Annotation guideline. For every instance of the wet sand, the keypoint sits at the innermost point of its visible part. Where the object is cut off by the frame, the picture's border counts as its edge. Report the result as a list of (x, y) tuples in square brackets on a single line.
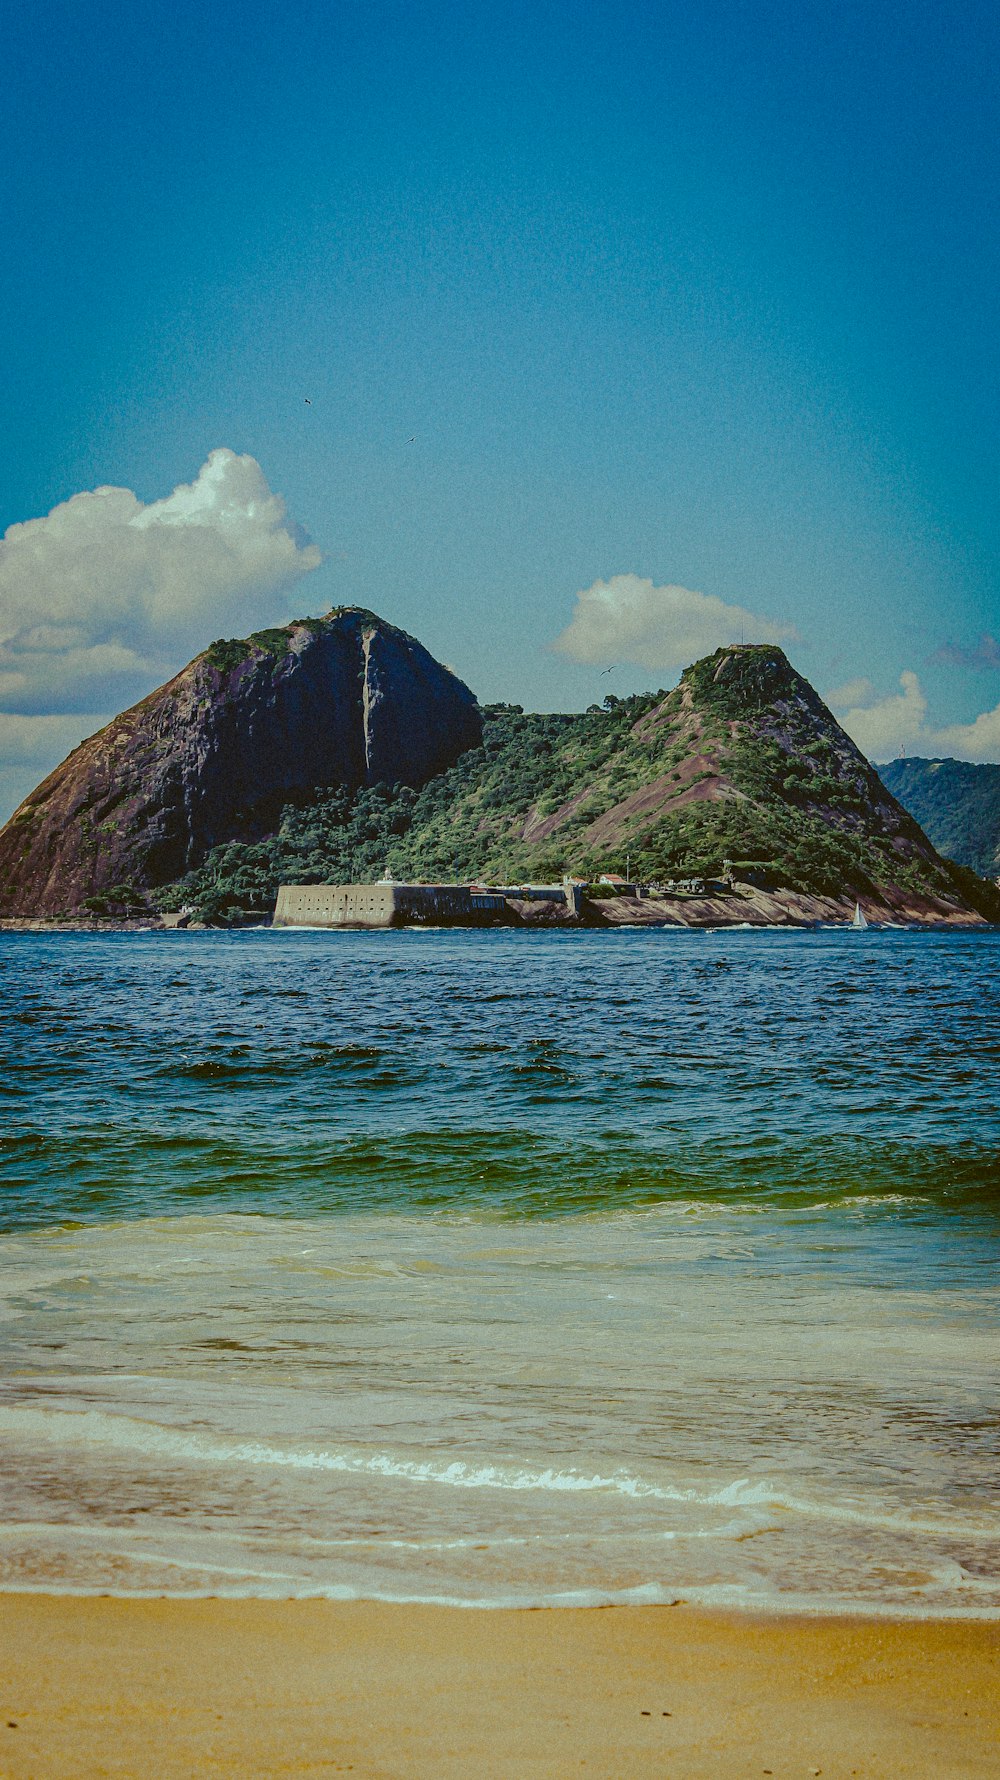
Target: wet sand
[(165, 1688)]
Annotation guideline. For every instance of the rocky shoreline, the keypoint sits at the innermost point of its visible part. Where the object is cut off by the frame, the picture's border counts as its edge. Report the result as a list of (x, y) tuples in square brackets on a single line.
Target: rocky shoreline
[(748, 907)]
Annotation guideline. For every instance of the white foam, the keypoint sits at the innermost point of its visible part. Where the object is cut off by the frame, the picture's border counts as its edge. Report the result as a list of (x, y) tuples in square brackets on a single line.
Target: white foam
[(96, 1427), (733, 1597)]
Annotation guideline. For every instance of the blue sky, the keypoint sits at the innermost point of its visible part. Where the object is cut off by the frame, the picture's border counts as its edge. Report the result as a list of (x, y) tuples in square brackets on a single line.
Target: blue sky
[(702, 298)]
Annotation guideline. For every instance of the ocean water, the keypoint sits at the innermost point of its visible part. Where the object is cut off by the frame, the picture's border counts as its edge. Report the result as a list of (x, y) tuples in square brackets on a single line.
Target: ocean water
[(503, 1267)]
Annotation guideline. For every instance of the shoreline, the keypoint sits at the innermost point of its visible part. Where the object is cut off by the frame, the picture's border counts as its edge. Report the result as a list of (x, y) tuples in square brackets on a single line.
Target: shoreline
[(621, 913), (105, 1685), (747, 906), (799, 1610)]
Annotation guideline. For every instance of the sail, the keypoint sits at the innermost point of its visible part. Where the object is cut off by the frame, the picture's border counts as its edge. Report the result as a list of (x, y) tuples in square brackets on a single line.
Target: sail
[(859, 919)]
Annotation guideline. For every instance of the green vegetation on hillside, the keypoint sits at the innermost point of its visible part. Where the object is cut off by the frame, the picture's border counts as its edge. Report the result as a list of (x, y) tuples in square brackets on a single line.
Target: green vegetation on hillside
[(226, 653), (957, 803), (336, 837)]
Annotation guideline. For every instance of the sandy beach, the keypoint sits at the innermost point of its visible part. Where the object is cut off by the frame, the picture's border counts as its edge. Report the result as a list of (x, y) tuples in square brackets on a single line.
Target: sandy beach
[(95, 1687)]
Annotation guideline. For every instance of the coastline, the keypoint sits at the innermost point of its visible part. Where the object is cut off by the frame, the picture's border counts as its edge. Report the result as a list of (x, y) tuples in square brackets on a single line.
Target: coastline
[(752, 908), (105, 1685)]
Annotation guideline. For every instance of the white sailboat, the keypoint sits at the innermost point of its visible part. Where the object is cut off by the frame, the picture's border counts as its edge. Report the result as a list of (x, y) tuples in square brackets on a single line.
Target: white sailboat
[(859, 919)]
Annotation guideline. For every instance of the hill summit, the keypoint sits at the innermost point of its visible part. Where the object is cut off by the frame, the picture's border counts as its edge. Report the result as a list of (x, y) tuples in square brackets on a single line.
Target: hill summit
[(337, 749)]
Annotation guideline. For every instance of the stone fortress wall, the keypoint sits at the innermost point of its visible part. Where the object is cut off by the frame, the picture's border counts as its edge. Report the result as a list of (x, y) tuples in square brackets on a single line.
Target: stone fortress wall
[(389, 905)]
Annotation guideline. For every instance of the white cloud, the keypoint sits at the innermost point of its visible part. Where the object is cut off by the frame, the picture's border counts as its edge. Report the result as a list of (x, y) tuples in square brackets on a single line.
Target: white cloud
[(31, 741), (105, 595), (883, 727), (979, 740), (628, 619), (31, 746), (853, 692)]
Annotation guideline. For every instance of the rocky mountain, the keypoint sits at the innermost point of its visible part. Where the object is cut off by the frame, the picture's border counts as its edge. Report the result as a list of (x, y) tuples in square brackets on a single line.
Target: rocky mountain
[(957, 803), (740, 763), (337, 748), (217, 753)]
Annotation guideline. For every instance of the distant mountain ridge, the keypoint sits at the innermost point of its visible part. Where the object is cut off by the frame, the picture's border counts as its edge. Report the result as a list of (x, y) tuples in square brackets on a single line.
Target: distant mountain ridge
[(334, 749), (957, 803)]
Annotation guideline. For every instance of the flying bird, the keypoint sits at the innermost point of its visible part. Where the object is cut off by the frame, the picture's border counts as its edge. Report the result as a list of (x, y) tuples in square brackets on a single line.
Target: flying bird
[(307, 401), (609, 670), (413, 440)]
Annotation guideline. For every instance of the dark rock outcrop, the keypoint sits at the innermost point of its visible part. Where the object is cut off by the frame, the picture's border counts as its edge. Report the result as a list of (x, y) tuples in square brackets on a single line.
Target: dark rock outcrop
[(215, 754)]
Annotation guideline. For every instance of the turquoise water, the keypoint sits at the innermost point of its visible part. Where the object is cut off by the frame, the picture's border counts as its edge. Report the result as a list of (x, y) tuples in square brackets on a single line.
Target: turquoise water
[(500, 1267)]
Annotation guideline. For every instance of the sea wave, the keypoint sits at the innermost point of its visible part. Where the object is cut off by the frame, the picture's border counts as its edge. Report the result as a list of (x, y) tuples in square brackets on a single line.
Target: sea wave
[(67, 1428)]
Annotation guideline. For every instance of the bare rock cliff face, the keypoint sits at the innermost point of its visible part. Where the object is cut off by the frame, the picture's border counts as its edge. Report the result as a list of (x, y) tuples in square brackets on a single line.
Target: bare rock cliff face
[(213, 755)]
